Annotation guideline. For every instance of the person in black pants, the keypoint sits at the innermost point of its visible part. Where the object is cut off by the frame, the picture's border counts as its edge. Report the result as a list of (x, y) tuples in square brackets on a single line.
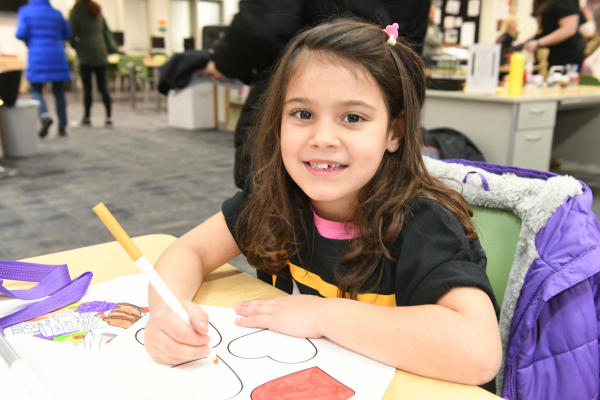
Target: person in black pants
[(91, 41), (86, 79), (262, 28)]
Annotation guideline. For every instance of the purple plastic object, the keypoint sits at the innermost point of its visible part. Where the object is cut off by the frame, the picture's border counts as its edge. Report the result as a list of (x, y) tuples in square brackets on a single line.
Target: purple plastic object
[(54, 282), (486, 185), (502, 169)]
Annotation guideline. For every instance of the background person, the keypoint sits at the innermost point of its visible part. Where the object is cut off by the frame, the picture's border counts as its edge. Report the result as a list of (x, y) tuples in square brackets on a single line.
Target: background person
[(44, 30), (262, 28), (508, 38), (558, 22), (432, 44), (91, 38)]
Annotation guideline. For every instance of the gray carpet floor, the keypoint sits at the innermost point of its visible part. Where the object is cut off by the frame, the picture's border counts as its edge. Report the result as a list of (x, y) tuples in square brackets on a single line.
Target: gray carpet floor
[(153, 178)]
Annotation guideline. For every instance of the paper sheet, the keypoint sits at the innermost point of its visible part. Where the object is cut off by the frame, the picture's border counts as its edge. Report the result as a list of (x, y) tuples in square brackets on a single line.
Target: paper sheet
[(253, 363), (250, 359), (451, 36), (449, 22), (473, 8), (453, 7), (71, 374), (105, 312), (483, 66), (502, 9), (467, 34), (437, 16)]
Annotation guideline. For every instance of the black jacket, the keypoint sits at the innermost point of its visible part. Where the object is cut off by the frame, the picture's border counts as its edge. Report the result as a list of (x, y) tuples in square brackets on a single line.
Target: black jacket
[(177, 72), (262, 28)]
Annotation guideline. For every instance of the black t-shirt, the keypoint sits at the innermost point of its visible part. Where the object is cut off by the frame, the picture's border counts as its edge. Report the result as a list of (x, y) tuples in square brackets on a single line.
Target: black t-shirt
[(548, 23), (432, 255)]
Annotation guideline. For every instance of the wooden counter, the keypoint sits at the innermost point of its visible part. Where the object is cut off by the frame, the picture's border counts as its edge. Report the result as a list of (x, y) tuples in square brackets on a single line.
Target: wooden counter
[(224, 287)]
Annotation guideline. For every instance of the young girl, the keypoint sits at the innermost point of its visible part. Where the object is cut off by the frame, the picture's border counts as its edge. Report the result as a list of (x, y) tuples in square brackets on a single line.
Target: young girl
[(341, 211)]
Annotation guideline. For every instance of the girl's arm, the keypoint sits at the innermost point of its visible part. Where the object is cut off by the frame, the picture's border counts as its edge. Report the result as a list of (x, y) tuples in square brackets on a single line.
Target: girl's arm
[(567, 27), (183, 266), (456, 339)]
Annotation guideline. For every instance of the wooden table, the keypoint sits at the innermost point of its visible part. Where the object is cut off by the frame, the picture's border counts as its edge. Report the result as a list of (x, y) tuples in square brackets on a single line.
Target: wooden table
[(11, 63), (155, 64), (224, 287)]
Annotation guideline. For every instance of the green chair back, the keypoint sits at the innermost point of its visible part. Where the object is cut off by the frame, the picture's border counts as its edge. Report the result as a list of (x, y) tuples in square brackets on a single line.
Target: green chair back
[(123, 65), (141, 70), (499, 234), (588, 80)]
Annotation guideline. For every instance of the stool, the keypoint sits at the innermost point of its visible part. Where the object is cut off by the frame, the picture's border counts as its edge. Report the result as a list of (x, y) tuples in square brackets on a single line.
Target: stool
[(193, 107), (18, 128)]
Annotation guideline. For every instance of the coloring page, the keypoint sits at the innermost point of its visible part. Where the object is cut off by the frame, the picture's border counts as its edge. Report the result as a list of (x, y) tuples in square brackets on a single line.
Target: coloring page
[(263, 365), (102, 314), (253, 363)]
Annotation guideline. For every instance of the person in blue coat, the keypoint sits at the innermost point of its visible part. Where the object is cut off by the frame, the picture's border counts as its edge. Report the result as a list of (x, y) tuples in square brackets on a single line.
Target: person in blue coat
[(44, 30)]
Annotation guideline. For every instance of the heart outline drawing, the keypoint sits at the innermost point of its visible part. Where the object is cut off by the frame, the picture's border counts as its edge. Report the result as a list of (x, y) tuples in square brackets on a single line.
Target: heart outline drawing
[(139, 336), (215, 390), (292, 350)]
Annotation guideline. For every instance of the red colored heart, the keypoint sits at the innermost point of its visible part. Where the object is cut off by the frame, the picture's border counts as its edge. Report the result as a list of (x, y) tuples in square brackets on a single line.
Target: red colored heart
[(312, 383)]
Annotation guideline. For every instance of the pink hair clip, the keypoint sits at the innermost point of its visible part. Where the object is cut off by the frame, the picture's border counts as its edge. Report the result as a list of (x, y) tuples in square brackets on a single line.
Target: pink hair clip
[(392, 30)]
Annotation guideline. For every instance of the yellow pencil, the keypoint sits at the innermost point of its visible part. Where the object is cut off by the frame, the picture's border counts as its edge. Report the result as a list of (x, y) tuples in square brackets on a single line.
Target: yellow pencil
[(144, 265)]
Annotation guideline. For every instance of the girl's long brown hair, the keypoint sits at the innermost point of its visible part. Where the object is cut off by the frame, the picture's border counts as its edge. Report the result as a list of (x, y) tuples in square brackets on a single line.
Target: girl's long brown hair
[(93, 8), (277, 219)]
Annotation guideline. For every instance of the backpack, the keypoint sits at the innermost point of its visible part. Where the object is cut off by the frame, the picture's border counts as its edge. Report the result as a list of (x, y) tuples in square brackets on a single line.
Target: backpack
[(451, 144)]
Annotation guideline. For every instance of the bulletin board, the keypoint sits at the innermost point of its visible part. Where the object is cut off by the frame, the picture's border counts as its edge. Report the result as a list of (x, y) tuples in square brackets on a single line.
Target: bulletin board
[(459, 20)]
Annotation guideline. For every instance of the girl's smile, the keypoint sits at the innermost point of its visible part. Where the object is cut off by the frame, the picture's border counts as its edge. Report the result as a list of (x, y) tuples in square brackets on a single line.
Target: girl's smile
[(334, 133), (324, 167)]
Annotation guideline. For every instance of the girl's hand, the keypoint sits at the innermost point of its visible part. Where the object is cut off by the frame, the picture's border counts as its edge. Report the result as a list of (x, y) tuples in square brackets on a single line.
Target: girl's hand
[(169, 340), (295, 315)]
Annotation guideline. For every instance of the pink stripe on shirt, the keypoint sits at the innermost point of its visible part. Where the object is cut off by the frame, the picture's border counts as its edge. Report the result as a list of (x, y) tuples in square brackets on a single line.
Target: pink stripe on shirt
[(336, 230)]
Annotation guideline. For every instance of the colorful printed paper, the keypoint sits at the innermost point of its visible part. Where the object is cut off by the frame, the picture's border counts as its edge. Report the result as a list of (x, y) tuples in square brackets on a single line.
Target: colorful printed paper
[(104, 312), (253, 364)]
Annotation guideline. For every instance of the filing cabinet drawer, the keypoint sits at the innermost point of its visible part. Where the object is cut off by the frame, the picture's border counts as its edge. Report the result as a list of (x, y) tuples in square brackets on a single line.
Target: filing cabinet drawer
[(533, 149), (536, 115)]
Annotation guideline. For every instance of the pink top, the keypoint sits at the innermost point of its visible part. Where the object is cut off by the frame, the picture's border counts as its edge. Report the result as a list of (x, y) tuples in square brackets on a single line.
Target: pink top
[(336, 230)]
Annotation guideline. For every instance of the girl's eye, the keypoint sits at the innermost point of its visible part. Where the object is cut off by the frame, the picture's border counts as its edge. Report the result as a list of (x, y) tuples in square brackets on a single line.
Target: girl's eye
[(302, 114), (352, 118)]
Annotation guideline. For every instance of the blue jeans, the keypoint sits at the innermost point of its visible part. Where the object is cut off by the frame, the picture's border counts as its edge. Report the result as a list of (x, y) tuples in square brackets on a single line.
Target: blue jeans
[(58, 89)]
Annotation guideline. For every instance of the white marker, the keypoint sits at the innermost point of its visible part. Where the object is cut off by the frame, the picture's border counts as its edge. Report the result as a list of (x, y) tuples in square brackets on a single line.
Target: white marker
[(19, 367), (144, 265)]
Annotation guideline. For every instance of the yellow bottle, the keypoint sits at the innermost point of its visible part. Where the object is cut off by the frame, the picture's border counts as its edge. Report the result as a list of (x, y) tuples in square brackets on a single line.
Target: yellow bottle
[(515, 74)]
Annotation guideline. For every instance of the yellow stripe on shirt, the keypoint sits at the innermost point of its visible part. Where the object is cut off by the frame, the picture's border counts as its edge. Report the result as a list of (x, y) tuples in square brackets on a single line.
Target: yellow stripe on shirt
[(328, 290)]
